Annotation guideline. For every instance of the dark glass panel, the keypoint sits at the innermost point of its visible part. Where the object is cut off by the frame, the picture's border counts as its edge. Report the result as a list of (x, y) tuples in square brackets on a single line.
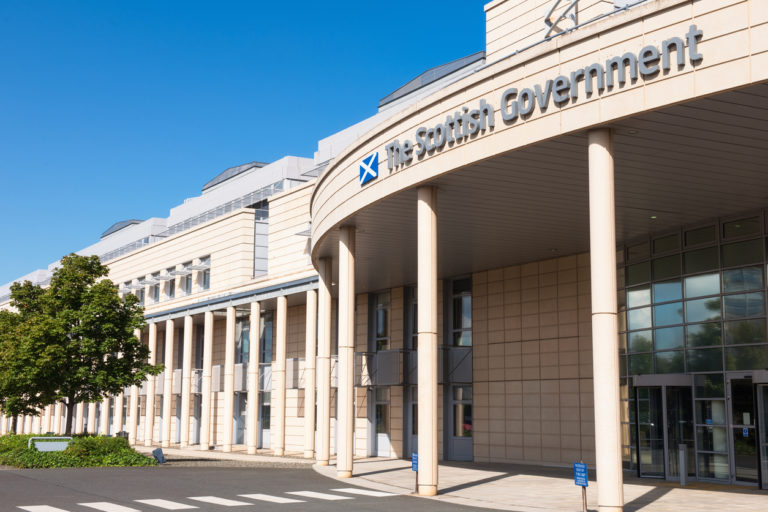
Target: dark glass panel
[(744, 332), (710, 386), (706, 359), (666, 244), (703, 335), (665, 268), (743, 253), (753, 357), (669, 362), (700, 260), (702, 310), (640, 364), (669, 338), (638, 252), (700, 236), (639, 273), (640, 341), (741, 227)]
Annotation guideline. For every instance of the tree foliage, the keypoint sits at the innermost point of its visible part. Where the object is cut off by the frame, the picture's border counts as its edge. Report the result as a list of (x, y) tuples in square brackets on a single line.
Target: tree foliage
[(73, 341)]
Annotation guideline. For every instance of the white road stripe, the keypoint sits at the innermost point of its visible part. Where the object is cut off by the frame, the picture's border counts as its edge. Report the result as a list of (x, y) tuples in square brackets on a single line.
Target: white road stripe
[(219, 501), (267, 497), (364, 492), (41, 508), (106, 506), (166, 504), (320, 495)]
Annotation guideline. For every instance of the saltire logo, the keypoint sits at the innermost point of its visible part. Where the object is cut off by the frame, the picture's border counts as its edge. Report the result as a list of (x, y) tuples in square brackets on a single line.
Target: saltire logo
[(369, 168)]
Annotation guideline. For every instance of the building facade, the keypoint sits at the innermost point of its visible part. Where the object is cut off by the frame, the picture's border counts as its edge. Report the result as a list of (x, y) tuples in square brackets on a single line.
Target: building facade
[(550, 252)]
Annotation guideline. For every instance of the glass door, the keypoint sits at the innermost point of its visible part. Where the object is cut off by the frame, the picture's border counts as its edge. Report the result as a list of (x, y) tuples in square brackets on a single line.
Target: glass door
[(762, 420), (743, 432), (650, 432)]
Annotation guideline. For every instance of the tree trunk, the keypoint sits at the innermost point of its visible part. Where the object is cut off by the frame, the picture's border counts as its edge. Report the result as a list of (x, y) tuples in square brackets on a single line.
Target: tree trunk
[(70, 404)]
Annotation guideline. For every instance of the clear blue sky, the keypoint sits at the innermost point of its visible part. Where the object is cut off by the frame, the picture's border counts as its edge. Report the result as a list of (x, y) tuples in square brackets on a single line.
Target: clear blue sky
[(114, 110)]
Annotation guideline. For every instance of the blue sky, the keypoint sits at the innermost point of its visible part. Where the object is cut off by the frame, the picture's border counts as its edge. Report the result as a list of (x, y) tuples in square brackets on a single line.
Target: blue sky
[(114, 110)]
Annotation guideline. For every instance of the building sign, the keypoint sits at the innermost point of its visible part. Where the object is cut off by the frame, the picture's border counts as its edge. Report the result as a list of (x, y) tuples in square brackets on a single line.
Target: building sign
[(369, 168), (515, 104)]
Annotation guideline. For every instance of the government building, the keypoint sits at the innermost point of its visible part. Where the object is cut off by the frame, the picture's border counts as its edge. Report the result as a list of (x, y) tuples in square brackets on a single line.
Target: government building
[(549, 251)]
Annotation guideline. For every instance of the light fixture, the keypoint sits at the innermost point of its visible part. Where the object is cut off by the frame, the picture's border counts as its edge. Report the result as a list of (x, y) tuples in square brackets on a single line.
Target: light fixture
[(653, 217)]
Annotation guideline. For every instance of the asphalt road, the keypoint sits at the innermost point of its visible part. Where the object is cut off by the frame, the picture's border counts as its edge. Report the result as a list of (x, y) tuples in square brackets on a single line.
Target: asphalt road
[(216, 489)]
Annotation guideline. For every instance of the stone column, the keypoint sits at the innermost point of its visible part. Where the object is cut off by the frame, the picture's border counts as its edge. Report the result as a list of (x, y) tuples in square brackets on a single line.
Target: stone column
[(3, 424), (104, 419), (133, 406), (117, 420), (346, 391), (149, 419), (186, 379), (91, 418), (324, 271), (254, 339), (168, 384), (229, 380), (605, 345), (205, 412), (56, 418), (427, 331), (310, 337), (46, 420), (277, 428), (77, 428)]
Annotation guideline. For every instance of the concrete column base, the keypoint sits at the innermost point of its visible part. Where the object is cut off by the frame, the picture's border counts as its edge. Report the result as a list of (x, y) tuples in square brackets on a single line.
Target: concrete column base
[(609, 508), (183, 445), (309, 454), (279, 452), (251, 450), (322, 463), (344, 474), (427, 490), (165, 444), (147, 443)]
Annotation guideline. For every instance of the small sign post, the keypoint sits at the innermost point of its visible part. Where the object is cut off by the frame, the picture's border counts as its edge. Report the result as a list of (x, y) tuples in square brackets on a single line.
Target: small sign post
[(581, 479), (415, 469)]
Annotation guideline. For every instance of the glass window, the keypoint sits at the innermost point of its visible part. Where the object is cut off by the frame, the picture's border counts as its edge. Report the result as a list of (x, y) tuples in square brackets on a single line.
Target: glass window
[(462, 393), (701, 260), (710, 412), (709, 386), (462, 420), (640, 364), (381, 320), (743, 253), (267, 324), (668, 314), (382, 418), (743, 305), (703, 335), (462, 313), (702, 310), (713, 465), (171, 288), (704, 359), (639, 318), (664, 268), (205, 279), (743, 332), (741, 227), (753, 357), (666, 244), (712, 439), (742, 279), (669, 338), (705, 284), (667, 291), (669, 362), (640, 296), (638, 252), (640, 341), (700, 236), (639, 273)]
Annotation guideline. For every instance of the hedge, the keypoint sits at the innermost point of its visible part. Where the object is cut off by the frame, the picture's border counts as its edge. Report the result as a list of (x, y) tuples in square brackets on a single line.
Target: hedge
[(83, 451)]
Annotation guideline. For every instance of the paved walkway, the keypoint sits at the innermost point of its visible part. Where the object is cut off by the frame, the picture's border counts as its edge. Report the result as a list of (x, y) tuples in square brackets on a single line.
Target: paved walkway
[(513, 487)]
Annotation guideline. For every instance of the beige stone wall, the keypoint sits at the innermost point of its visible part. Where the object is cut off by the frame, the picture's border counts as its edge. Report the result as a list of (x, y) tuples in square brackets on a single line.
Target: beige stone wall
[(532, 363), (288, 215)]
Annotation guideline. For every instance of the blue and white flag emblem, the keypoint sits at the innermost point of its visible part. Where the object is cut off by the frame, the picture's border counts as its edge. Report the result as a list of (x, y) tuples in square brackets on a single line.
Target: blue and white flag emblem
[(369, 168)]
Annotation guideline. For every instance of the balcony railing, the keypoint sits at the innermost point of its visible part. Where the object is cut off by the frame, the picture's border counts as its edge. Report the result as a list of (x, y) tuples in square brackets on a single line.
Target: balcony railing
[(382, 368), (197, 381), (265, 377)]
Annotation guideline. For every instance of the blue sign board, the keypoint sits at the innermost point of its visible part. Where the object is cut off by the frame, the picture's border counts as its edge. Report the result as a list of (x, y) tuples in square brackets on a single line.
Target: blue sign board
[(580, 474), (369, 168), (415, 461), (745, 432)]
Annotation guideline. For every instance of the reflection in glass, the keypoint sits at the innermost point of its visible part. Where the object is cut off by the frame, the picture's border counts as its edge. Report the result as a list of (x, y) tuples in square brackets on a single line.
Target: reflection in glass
[(700, 260), (753, 357), (640, 296), (639, 273), (640, 341), (712, 439), (710, 386), (701, 310), (703, 335), (666, 244), (701, 285), (640, 364), (462, 420), (713, 466), (639, 318), (703, 360), (669, 362), (745, 454), (743, 253), (743, 305), (668, 314), (669, 338), (667, 291), (710, 412), (741, 332), (742, 279), (664, 268)]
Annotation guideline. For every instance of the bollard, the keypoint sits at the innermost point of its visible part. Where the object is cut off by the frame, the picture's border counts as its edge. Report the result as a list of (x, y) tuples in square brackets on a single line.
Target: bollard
[(681, 457)]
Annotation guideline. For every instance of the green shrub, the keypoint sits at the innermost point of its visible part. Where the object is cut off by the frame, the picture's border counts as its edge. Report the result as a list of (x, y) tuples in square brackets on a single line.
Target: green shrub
[(83, 451)]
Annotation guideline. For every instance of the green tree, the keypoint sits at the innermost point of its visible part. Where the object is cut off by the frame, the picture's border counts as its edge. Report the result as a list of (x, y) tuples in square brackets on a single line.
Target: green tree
[(81, 343)]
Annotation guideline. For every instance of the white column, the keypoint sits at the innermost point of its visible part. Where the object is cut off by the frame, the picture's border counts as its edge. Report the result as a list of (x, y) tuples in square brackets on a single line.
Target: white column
[(149, 419), (46, 419), (57, 418), (205, 412), (3, 424), (27, 424), (310, 337), (346, 392), (91, 418), (427, 331), (117, 419), (168, 384), (133, 406), (186, 379), (104, 419), (277, 428), (324, 271), (36, 420), (605, 347), (229, 381), (77, 427), (254, 338)]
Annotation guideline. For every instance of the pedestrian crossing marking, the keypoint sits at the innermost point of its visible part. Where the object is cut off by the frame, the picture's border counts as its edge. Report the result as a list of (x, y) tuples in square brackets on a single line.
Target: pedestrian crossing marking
[(320, 495), (166, 504), (272, 499), (41, 508), (106, 506), (224, 502), (364, 492)]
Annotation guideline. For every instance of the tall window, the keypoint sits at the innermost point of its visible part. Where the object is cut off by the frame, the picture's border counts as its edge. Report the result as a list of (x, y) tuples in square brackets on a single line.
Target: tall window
[(381, 305), (266, 337), (140, 295), (462, 312), (185, 283), (171, 286), (242, 340), (154, 290)]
